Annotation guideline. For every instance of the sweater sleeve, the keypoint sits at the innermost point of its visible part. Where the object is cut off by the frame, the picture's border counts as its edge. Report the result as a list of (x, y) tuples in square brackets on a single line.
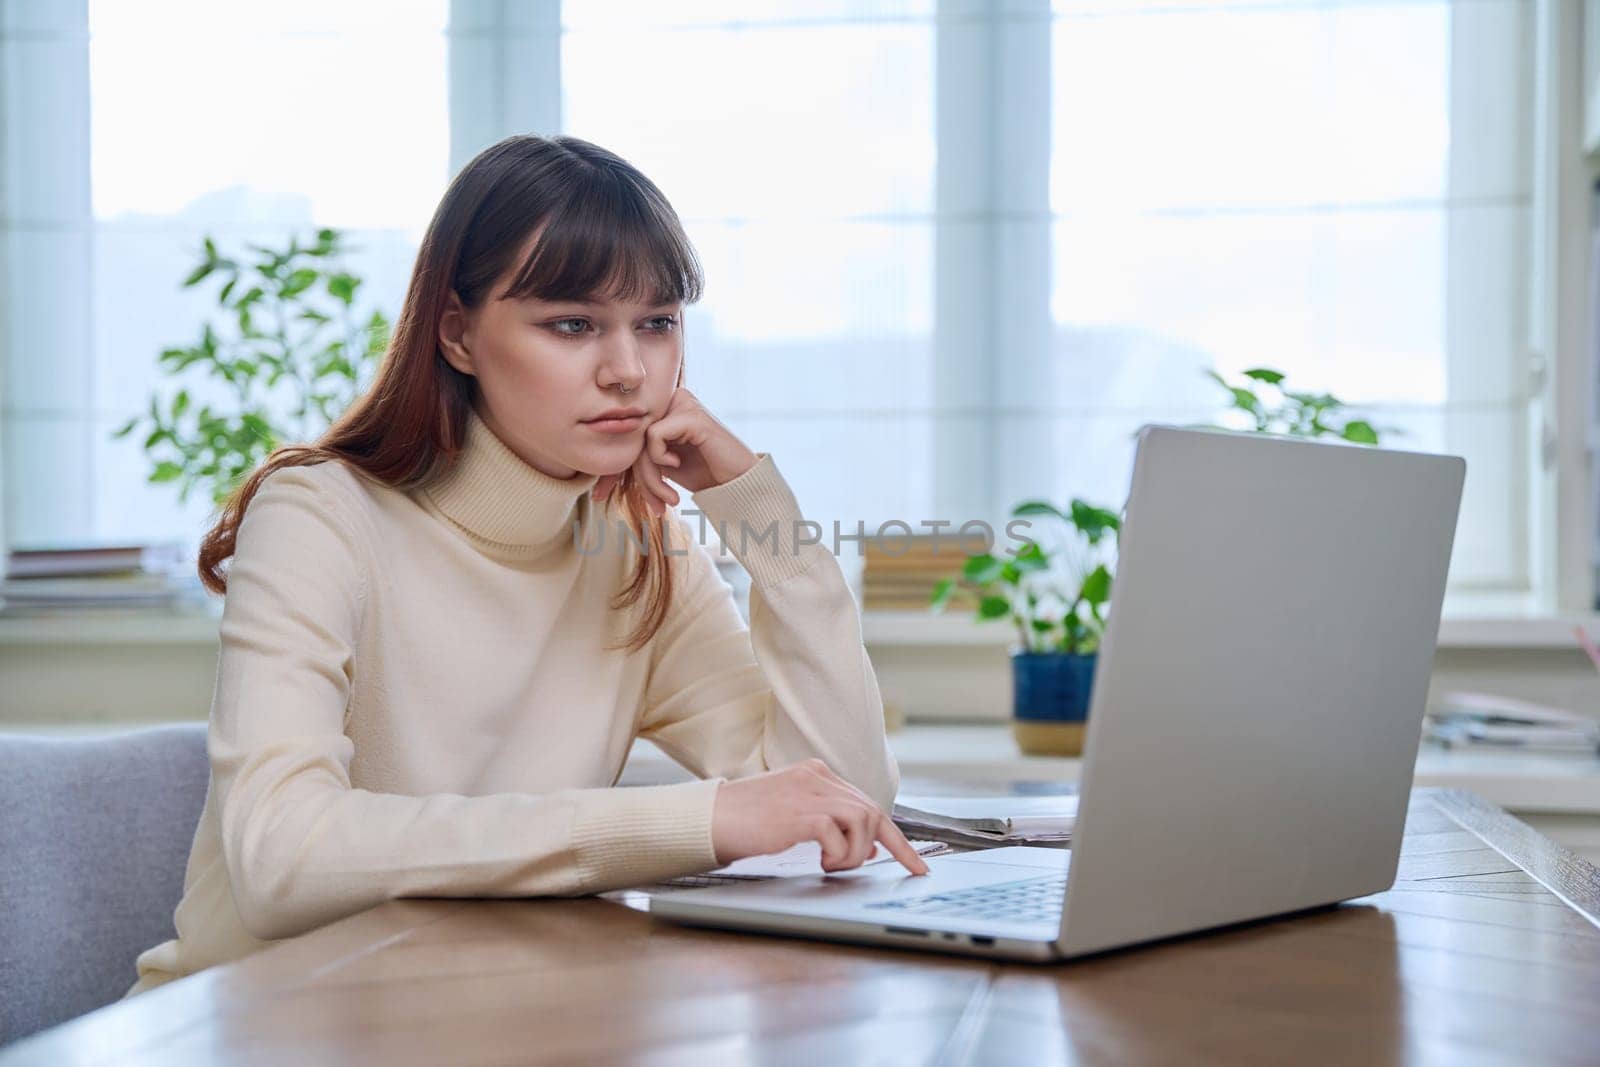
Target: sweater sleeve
[(302, 845), (728, 699)]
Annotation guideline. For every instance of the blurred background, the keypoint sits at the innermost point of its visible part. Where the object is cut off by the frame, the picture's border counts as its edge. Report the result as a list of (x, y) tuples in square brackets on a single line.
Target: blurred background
[(956, 251)]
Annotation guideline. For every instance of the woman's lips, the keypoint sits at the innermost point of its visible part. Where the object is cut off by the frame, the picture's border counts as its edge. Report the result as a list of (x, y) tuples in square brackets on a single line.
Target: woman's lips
[(627, 425)]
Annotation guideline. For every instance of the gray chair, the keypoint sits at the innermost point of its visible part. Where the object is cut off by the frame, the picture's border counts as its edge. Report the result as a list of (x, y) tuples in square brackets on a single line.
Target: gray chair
[(94, 839)]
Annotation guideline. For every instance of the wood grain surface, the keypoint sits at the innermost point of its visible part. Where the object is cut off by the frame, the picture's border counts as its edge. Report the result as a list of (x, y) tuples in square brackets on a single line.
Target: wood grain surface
[(1486, 950)]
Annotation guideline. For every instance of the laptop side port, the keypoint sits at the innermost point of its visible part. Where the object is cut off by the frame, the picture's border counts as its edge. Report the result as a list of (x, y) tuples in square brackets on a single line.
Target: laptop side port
[(978, 939), (906, 930)]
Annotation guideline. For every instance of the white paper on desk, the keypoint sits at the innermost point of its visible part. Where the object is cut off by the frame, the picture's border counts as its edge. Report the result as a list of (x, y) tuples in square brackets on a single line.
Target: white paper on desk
[(804, 858), (1016, 816)]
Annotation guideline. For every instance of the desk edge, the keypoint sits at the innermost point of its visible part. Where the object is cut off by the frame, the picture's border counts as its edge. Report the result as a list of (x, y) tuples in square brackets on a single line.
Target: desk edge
[(1569, 876)]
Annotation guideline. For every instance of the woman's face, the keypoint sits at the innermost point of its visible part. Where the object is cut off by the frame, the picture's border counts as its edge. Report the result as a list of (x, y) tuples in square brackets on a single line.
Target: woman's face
[(545, 370)]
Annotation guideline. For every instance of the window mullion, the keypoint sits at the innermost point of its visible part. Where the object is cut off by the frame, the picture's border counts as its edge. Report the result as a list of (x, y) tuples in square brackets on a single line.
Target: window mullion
[(991, 326), (505, 73)]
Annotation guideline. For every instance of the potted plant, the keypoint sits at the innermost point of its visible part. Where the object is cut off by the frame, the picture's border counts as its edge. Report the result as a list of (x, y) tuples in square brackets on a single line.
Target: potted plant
[(296, 354), (1056, 598)]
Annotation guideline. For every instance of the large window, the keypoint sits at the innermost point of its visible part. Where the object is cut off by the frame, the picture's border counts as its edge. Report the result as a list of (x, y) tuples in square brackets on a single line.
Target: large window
[(960, 252), (799, 148), (956, 252), (1340, 191), (187, 119)]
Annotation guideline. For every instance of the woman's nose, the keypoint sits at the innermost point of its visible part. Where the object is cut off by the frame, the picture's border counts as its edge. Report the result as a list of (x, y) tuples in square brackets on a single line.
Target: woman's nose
[(624, 367)]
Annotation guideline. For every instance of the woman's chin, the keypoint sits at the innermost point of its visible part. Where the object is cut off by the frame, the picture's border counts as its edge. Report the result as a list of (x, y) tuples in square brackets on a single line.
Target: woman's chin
[(603, 461)]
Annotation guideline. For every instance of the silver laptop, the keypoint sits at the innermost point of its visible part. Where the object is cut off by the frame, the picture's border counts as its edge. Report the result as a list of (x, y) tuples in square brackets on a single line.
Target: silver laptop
[(1254, 726)]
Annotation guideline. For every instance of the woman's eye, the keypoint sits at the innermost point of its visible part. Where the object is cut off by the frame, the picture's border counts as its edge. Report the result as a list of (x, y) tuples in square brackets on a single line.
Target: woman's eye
[(659, 324)]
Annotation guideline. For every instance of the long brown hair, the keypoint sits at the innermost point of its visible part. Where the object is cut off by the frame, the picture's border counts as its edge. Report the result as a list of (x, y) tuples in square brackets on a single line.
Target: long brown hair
[(606, 227)]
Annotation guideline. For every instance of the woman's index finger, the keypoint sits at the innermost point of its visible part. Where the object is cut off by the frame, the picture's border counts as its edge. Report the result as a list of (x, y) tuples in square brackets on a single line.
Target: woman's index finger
[(895, 841)]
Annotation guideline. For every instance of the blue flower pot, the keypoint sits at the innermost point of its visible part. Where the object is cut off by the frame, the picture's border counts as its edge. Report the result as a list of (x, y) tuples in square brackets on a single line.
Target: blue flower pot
[(1050, 701)]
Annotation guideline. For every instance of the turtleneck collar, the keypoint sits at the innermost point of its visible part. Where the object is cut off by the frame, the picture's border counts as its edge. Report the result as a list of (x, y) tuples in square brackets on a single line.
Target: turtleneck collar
[(506, 505)]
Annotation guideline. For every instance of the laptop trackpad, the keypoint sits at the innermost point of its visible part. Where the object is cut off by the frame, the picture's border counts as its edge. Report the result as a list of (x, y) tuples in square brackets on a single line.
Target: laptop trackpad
[(886, 880)]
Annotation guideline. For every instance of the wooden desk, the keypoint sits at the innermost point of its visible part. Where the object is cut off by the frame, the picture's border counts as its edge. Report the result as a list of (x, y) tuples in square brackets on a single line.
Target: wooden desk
[(1468, 959)]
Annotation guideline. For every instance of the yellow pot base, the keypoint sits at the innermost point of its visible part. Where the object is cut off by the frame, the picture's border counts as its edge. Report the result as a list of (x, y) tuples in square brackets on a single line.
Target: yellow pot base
[(1038, 738)]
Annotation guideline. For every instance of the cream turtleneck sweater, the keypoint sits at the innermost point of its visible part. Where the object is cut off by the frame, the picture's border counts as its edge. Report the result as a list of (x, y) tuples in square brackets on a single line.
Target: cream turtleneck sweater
[(413, 699)]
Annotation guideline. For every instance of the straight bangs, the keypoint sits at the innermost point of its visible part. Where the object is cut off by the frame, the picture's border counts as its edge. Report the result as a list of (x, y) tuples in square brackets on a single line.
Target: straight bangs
[(611, 239)]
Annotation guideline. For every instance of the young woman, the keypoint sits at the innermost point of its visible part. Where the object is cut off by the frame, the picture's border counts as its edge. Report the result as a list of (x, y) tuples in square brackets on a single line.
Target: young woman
[(432, 663)]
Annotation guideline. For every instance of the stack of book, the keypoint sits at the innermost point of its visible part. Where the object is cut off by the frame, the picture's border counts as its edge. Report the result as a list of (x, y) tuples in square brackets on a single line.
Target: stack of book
[(70, 578), (897, 576), (1475, 720)]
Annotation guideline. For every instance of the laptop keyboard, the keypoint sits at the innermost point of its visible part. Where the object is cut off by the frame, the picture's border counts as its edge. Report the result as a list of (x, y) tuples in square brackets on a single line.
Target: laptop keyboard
[(1025, 901)]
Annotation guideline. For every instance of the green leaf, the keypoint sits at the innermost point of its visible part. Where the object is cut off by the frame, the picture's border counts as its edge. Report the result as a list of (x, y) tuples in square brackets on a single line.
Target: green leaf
[(1321, 402), (342, 287), (1093, 522), (126, 428), (257, 425), (166, 471), (1031, 557), (197, 275), (941, 594), (1097, 586), (993, 607), (1361, 432), (1245, 400), (1009, 573), (1037, 507), (981, 569), (1265, 374), (1043, 626), (180, 403), (299, 282)]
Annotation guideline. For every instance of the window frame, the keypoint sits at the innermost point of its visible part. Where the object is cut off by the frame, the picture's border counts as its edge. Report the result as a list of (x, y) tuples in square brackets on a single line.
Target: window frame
[(993, 222)]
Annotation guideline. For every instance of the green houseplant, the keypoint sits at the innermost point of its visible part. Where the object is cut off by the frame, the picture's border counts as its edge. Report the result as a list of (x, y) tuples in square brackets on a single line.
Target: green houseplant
[(1059, 613), (1269, 407), (294, 351), (1056, 598)]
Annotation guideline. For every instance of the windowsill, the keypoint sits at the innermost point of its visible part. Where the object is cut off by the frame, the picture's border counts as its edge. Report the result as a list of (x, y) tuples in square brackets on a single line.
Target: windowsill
[(194, 625), (915, 628), (1461, 628), (985, 753)]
